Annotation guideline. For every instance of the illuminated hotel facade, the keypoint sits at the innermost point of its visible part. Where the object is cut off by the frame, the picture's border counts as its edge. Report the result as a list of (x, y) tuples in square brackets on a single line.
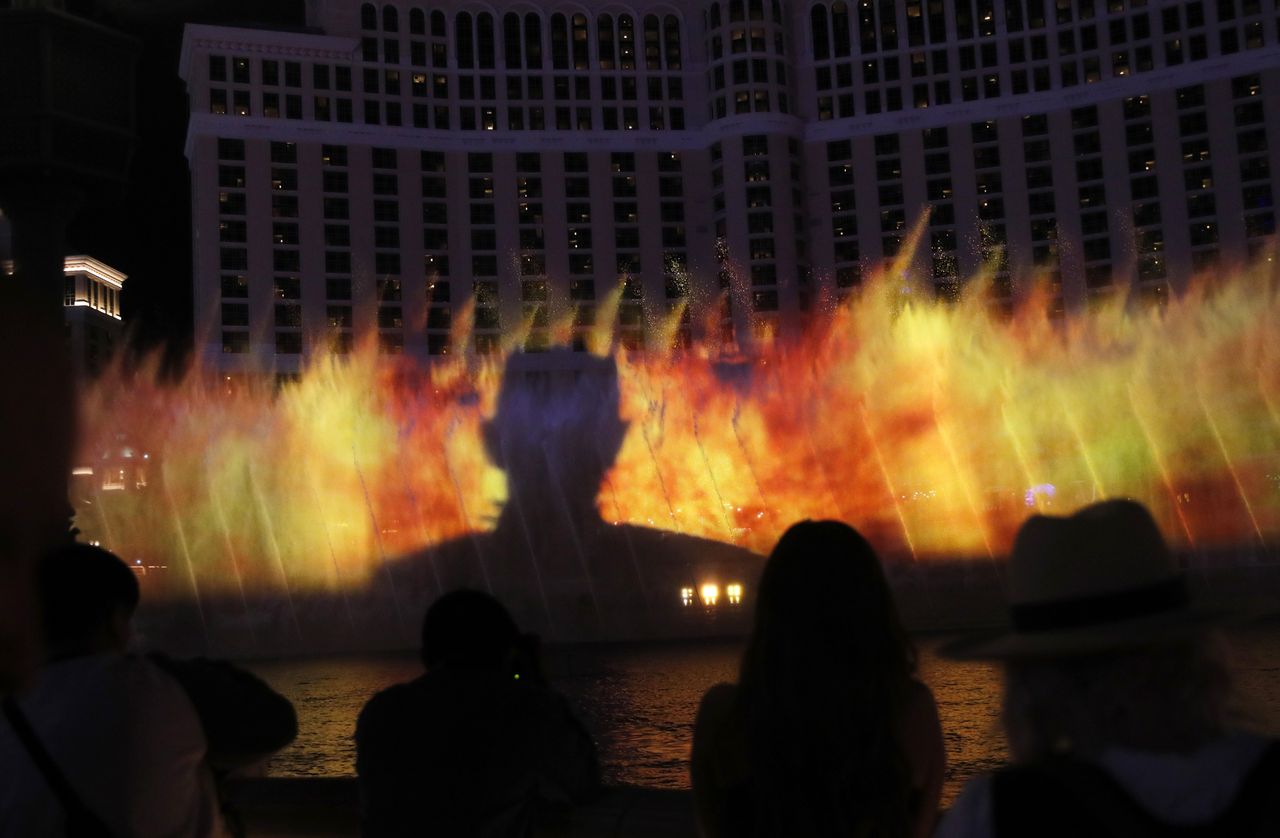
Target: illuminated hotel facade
[(746, 160), (91, 306), (91, 309)]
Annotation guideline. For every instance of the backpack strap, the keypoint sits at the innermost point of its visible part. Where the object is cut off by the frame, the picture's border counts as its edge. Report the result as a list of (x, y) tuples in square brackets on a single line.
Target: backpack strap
[(82, 822)]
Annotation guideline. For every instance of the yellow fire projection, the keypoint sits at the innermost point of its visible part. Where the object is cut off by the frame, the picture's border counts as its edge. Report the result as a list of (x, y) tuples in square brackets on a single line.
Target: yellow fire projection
[(933, 427)]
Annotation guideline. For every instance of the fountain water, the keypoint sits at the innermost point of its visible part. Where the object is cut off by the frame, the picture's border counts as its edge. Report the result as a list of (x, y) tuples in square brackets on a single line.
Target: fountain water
[(924, 423)]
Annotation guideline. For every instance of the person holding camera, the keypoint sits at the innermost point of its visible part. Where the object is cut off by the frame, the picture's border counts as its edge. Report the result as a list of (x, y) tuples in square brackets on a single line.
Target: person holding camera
[(479, 744)]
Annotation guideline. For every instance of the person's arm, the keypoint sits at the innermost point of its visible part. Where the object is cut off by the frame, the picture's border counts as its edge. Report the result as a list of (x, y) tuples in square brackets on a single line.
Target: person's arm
[(157, 775), (970, 816), (571, 766), (376, 774), (922, 739), (244, 720), (707, 793)]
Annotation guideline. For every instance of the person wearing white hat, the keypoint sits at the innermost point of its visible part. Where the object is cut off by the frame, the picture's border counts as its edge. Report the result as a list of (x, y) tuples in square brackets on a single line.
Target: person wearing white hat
[(1116, 691)]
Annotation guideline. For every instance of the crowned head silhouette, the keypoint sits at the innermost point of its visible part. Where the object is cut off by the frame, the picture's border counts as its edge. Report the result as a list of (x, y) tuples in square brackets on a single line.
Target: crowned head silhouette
[(561, 568)]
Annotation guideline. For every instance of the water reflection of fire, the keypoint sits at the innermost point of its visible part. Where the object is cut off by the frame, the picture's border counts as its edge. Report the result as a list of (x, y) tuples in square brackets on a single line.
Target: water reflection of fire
[(932, 427)]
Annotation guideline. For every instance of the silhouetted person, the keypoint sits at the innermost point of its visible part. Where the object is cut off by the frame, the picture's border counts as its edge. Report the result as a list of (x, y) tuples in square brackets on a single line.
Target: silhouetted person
[(828, 732), (110, 743), (1116, 694), (561, 568), (478, 745)]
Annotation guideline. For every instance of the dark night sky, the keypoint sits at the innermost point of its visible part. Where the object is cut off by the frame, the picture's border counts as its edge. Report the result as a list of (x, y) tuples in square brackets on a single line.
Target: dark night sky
[(147, 232)]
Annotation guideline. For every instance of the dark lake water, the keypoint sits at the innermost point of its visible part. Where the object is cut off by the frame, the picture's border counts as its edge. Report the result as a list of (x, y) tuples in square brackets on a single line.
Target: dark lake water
[(640, 701)]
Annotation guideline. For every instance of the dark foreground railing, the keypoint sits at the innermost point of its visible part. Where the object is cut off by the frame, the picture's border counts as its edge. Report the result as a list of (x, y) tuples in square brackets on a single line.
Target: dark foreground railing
[(329, 806)]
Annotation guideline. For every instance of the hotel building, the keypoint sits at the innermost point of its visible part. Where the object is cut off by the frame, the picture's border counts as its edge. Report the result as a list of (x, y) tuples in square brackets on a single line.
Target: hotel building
[(91, 306), (746, 161)]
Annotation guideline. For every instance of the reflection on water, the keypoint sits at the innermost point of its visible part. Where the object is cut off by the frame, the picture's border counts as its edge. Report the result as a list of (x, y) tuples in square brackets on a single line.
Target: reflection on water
[(640, 702)]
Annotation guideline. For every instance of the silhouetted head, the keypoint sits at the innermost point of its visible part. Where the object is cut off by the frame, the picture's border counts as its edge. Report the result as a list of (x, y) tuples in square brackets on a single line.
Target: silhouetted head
[(824, 593), (556, 410), (1107, 647), (825, 675), (88, 597), (467, 629)]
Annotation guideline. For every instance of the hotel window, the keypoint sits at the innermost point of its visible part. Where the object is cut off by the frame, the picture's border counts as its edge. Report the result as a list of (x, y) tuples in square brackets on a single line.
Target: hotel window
[(235, 286), (231, 203), (337, 262), (337, 288), (338, 317), (235, 343), (533, 41), (1255, 167), (336, 208), (337, 235), (464, 45), (288, 315), (234, 259), (235, 314), (284, 206)]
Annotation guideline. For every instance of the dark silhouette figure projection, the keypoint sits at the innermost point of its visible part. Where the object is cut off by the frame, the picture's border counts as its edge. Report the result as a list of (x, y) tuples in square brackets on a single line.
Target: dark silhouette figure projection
[(562, 569), (828, 732), (478, 745)]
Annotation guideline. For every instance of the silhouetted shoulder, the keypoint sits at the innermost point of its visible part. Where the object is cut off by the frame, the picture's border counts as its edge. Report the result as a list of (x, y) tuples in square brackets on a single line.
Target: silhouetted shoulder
[(449, 565), (717, 702), (390, 706), (243, 719), (719, 765), (387, 701), (921, 738), (663, 555), (717, 726), (970, 815), (679, 545)]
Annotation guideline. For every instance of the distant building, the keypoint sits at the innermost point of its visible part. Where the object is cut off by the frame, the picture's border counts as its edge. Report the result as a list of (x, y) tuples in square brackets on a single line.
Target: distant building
[(91, 298), (373, 173)]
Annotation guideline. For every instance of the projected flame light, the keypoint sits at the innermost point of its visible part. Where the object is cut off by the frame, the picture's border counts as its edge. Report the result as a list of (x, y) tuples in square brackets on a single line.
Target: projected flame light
[(932, 427)]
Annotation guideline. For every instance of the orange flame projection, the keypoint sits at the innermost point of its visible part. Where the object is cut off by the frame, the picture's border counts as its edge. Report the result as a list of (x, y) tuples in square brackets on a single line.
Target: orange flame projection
[(933, 427)]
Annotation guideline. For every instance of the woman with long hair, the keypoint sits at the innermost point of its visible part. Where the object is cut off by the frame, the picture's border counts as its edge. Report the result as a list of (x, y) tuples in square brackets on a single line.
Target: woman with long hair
[(828, 732)]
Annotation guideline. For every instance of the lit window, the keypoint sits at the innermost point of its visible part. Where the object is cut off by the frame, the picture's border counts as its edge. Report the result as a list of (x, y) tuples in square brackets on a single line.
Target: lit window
[(686, 596), (710, 594), (734, 593)]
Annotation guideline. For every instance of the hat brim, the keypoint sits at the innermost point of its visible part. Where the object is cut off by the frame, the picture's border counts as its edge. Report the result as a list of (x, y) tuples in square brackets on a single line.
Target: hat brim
[(1085, 640)]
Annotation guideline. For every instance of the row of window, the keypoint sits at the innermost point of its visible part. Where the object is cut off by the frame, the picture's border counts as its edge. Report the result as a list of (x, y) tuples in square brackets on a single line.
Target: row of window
[(947, 87), (624, 42), (1091, 193), (868, 27)]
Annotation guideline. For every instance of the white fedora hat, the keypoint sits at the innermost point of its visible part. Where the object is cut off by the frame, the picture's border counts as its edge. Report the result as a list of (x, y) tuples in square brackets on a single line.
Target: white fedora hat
[(1102, 579)]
